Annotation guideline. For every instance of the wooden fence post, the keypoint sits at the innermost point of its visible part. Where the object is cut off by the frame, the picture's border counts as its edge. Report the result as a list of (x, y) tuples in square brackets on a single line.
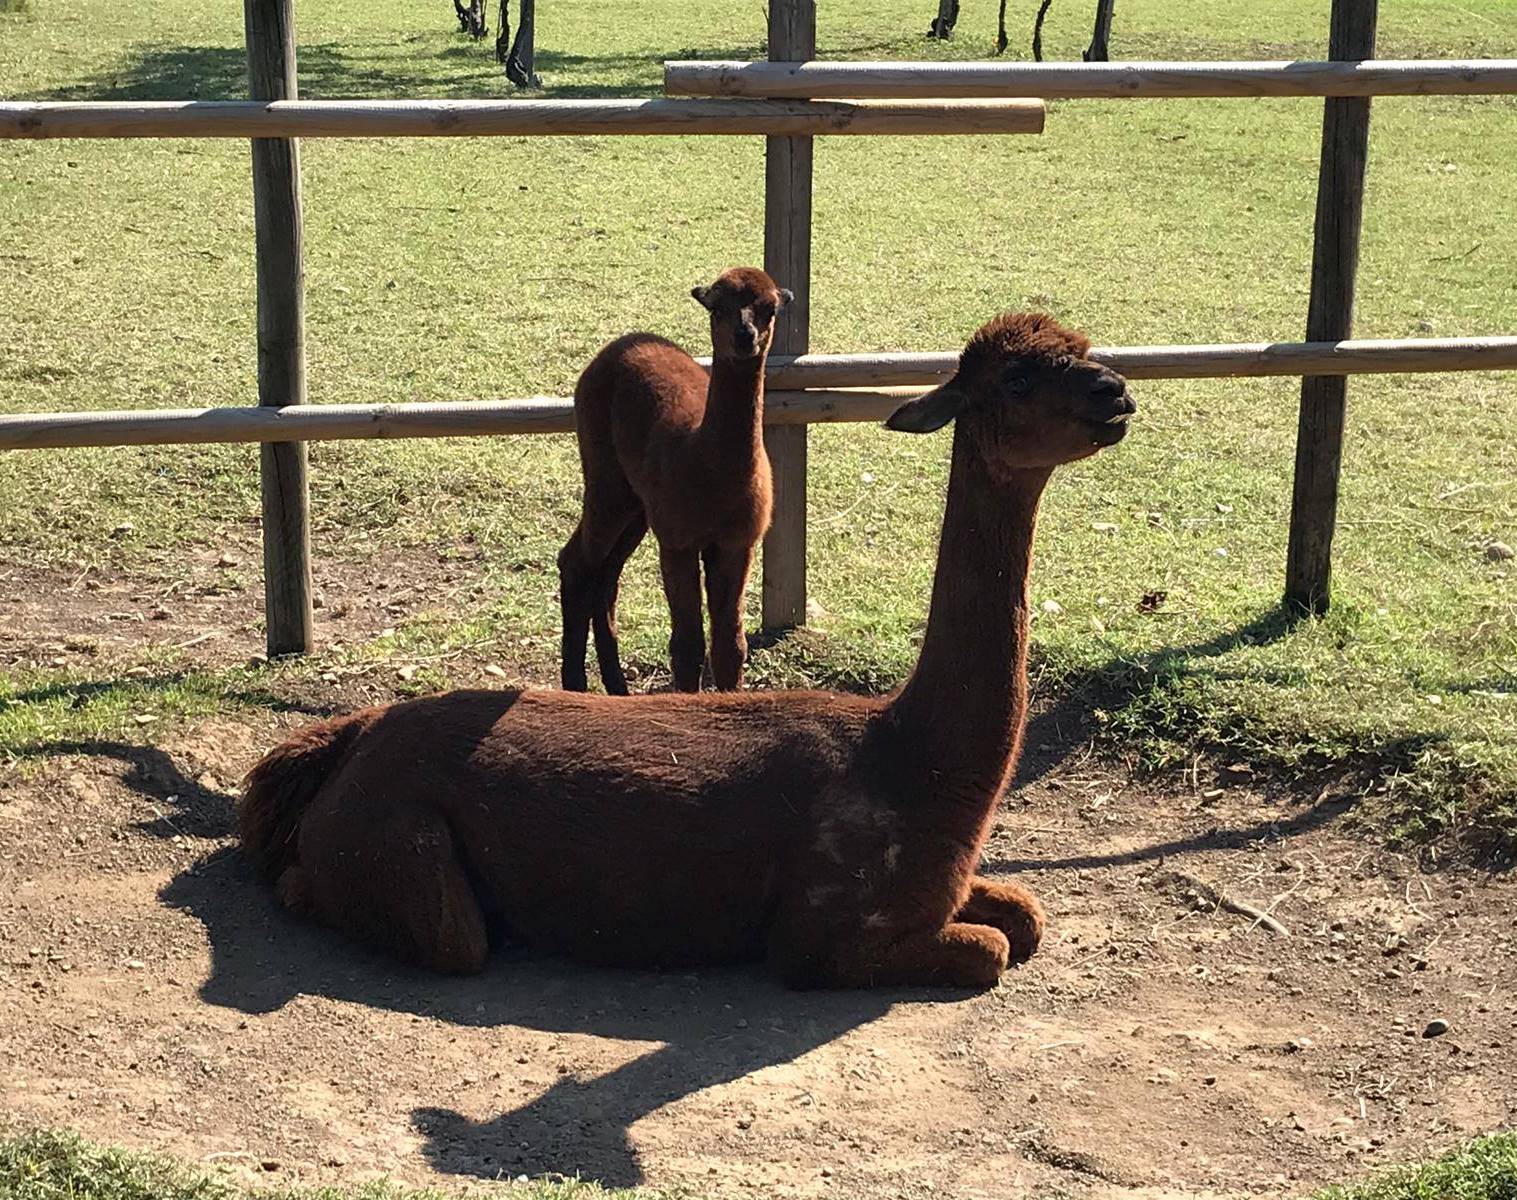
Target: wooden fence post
[(787, 257), (270, 28), (1330, 317)]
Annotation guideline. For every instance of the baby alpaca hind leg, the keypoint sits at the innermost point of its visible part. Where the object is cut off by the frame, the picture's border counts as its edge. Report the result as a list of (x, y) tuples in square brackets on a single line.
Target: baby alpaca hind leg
[(576, 580), (726, 579), (581, 567), (393, 879), (603, 612)]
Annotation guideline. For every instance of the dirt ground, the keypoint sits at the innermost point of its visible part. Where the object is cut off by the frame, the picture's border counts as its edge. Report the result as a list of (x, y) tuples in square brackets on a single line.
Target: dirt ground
[(1160, 1044)]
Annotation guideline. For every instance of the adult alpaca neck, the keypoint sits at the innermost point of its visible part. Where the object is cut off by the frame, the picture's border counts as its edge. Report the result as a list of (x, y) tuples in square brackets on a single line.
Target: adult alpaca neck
[(733, 423), (964, 706)]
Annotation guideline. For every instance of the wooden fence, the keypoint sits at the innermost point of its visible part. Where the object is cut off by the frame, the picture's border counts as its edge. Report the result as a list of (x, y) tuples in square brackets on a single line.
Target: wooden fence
[(789, 100)]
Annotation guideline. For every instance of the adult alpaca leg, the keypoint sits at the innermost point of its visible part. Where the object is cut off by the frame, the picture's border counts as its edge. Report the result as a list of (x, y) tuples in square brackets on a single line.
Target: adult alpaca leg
[(603, 610), (687, 639), (392, 878), (726, 578), (1009, 907), (958, 955)]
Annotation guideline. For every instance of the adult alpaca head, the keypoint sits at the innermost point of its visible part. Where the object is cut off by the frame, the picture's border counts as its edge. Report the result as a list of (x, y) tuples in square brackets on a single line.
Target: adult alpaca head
[(1029, 394)]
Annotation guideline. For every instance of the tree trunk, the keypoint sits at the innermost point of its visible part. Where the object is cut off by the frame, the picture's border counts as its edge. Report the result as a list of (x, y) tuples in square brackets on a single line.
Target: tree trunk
[(503, 35), (519, 61), (1100, 41)]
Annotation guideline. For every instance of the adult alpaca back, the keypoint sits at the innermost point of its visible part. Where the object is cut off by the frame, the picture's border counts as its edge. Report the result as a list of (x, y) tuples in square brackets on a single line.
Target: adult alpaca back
[(667, 447), (836, 836)]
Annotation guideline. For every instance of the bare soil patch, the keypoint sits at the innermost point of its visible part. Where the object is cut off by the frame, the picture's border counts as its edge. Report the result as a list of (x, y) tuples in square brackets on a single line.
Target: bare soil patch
[(204, 605), (151, 995)]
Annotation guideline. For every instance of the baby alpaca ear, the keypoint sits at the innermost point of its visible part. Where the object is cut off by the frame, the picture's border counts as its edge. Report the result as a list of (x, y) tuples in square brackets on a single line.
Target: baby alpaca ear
[(786, 297), (930, 411), (702, 295)]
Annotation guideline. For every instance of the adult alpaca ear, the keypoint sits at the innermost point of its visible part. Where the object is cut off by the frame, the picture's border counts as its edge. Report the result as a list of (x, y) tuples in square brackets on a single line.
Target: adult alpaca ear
[(930, 411), (702, 296)]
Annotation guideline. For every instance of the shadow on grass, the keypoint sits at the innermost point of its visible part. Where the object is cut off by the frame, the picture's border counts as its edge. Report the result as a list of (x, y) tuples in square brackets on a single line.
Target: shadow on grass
[(84, 692), (716, 1025), (1055, 731), (327, 71), (428, 66)]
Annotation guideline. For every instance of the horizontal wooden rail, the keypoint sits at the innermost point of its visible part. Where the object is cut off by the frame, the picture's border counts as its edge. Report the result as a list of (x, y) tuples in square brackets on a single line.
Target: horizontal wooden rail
[(1092, 81), (854, 387), (1211, 361), (509, 118), (335, 422)]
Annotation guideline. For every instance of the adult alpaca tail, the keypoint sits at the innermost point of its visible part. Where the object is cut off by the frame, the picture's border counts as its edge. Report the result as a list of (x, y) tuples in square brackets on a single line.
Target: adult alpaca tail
[(282, 785)]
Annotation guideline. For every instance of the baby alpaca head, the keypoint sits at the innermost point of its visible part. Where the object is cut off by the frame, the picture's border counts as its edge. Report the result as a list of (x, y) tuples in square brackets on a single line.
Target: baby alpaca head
[(743, 303), (1027, 394)]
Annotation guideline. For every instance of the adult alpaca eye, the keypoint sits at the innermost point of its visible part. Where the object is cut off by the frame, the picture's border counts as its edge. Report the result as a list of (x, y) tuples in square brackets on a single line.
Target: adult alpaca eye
[(1016, 384)]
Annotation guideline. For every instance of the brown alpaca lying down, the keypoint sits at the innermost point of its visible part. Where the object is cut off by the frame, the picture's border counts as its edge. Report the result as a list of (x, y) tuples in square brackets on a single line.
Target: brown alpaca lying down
[(834, 836)]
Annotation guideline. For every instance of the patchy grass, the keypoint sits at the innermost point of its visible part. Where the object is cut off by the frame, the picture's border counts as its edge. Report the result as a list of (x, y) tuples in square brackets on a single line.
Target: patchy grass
[(449, 269), (52, 1165), (59, 1166), (1483, 1169)]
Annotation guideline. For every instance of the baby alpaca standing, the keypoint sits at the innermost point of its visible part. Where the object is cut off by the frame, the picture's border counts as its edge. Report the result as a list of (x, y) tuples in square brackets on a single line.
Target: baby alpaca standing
[(666, 447)]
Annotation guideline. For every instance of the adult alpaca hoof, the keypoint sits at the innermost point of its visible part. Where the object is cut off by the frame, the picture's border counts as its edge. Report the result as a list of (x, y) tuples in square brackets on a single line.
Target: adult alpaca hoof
[(1010, 908), (293, 890)]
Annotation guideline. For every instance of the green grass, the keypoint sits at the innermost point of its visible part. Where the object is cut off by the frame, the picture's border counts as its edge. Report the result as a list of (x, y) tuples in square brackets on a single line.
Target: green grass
[(451, 269), (60, 1166), (1483, 1169), (50, 1165)]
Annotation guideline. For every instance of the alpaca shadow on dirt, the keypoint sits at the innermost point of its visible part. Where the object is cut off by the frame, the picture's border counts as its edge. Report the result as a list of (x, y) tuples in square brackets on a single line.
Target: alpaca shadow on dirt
[(182, 806), (715, 1025), (1054, 730), (1323, 812)]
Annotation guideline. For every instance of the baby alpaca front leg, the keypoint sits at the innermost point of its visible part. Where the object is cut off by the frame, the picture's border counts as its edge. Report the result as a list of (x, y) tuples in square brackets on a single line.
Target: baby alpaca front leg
[(687, 636)]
